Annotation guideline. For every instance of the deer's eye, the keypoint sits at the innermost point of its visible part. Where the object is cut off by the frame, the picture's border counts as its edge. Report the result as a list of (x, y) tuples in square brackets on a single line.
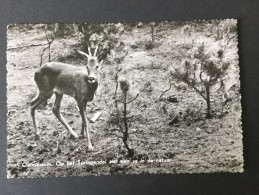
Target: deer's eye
[(97, 67)]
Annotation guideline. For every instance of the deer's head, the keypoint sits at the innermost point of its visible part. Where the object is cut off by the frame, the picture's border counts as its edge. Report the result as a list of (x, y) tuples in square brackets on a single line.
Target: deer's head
[(93, 65)]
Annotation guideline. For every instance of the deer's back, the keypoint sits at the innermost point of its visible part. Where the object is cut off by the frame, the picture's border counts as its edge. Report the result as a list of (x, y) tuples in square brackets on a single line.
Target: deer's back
[(67, 79)]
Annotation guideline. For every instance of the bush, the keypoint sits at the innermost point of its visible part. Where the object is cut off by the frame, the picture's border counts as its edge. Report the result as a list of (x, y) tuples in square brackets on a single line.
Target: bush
[(202, 75), (106, 36)]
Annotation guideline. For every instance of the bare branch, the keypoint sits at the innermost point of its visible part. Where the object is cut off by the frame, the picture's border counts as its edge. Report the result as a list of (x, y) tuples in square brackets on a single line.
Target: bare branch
[(196, 89), (121, 101), (54, 58), (229, 38), (132, 99), (170, 83), (41, 56), (125, 102), (49, 41), (129, 117)]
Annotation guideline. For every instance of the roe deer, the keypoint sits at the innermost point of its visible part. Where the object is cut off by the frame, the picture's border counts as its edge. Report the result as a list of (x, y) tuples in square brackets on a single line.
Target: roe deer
[(61, 78)]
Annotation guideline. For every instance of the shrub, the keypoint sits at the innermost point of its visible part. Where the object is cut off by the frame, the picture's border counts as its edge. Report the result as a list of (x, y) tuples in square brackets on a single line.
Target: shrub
[(202, 75)]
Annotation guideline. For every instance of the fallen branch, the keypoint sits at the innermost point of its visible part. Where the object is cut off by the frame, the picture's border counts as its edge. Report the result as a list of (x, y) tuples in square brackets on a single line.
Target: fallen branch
[(95, 117), (29, 45), (160, 98)]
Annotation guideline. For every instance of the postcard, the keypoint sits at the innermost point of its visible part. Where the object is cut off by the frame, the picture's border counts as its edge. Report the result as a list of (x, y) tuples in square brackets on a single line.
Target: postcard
[(123, 98)]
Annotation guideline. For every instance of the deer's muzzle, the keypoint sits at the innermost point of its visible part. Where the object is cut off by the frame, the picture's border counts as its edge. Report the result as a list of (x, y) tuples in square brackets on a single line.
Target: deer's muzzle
[(91, 80)]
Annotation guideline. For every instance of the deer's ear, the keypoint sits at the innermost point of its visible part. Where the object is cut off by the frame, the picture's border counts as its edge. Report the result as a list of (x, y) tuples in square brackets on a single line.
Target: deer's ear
[(82, 53)]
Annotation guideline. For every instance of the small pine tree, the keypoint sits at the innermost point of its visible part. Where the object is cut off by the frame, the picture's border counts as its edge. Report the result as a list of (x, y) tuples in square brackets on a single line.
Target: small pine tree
[(202, 75), (122, 113)]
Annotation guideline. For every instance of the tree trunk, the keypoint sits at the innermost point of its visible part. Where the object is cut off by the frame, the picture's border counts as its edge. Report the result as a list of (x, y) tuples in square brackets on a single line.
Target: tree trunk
[(152, 33), (49, 52), (130, 151), (126, 133), (208, 102)]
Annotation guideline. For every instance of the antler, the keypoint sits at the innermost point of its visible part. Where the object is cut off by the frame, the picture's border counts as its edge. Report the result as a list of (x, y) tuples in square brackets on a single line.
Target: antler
[(89, 51), (82, 53), (95, 50)]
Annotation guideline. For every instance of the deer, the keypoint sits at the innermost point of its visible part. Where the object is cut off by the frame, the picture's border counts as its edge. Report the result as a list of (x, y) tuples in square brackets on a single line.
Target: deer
[(61, 78)]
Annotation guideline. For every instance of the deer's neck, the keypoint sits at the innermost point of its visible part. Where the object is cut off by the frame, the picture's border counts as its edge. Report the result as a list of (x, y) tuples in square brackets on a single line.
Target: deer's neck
[(90, 91)]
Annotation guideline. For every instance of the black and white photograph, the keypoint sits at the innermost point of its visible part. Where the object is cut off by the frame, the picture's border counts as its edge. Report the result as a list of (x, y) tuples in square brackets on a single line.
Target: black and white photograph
[(123, 98)]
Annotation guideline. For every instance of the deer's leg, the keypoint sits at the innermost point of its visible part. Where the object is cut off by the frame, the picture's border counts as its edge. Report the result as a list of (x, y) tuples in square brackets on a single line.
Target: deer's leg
[(56, 111), (83, 133), (34, 104), (83, 129), (82, 107)]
